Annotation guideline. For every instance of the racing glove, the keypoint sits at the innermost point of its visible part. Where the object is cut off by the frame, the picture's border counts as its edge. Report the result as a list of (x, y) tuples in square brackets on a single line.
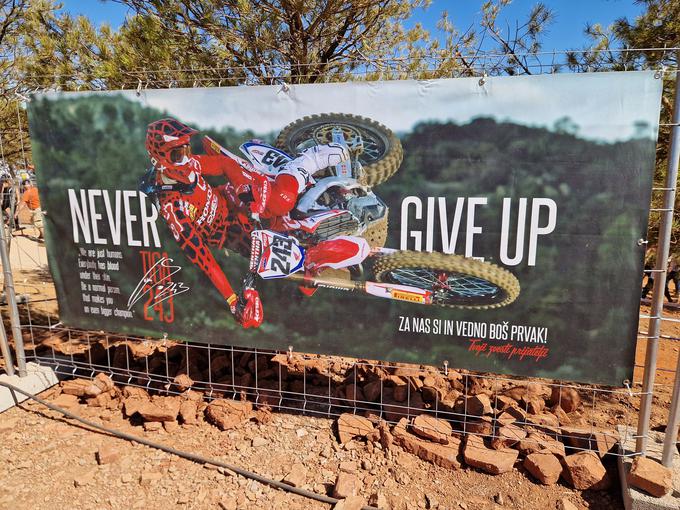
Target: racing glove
[(247, 308), (261, 189)]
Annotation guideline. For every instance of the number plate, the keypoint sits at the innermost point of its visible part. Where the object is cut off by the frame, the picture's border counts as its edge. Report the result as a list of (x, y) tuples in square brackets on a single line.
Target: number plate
[(281, 255)]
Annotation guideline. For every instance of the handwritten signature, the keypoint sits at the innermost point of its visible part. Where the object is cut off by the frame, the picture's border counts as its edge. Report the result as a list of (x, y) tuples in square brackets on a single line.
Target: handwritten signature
[(152, 283)]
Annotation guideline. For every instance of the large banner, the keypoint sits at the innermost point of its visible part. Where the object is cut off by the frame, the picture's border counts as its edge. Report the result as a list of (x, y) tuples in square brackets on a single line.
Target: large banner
[(491, 224)]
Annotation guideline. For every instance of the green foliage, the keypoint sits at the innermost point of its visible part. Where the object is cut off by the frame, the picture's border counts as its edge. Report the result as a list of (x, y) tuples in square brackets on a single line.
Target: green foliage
[(634, 45)]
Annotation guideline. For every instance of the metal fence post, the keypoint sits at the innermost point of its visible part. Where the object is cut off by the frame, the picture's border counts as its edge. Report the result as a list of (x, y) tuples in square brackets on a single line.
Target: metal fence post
[(12, 304), (673, 162), (4, 349), (663, 247)]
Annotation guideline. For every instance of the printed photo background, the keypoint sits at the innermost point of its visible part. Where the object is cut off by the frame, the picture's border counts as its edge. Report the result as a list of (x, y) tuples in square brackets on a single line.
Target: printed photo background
[(585, 141)]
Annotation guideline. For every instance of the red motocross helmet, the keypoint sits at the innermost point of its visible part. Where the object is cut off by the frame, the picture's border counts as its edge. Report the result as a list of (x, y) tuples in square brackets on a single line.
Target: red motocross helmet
[(164, 138)]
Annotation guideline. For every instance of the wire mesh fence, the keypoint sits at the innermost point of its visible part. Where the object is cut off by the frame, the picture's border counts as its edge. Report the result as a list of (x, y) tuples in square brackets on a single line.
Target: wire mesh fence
[(586, 417), (501, 408)]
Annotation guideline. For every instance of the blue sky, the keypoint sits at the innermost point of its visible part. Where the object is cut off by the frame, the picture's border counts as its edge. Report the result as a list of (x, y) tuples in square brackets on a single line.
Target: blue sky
[(565, 33)]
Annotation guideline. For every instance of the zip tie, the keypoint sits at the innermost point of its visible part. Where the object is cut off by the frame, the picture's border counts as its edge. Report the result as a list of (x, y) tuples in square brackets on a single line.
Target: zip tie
[(285, 88), (139, 88), (290, 353), (626, 383)]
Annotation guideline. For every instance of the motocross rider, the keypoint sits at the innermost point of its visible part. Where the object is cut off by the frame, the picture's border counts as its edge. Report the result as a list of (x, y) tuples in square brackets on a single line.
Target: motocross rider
[(200, 215)]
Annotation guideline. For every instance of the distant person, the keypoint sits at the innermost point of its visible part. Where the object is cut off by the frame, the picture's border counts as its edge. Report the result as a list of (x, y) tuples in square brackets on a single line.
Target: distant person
[(650, 259), (8, 197), (30, 200), (672, 273)]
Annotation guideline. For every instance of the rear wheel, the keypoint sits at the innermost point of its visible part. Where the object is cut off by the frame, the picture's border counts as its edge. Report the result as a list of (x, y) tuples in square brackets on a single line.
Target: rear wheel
[(454, 281)]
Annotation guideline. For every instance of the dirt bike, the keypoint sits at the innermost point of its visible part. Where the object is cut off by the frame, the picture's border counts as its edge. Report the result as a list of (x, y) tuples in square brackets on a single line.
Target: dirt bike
[(342, 203)]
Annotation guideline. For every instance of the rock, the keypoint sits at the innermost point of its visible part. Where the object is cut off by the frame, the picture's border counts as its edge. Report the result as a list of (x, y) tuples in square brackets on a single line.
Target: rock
[(103, 382), (101, 400), (227, 414), (567, 398), (132, 406), (346, 485), (160, 409), (395, 411), (431, 501), (515, 393), (352, 425), (565, 504), (297, 476), (507, 436), (135, 392), (584, 471), (445, 456), (543, 419), (195, 396), (400, 391), (153, 426), (379, 500), (149, 478), (516, 413), (544, 466), (533, 404), (433, 394), (80, 388), (354, 393), (537, 441), (183, 382), (83, 478), (170, 426), (429, 427), (372, 390), (481, 427), (478, 405), (348, 467), (350, 503), (650, 476), (538, 389), (228, 503), (600, 441), (188, 411), (66, 401), (502, 402), (476, 454), (107, 455), (561, 416)]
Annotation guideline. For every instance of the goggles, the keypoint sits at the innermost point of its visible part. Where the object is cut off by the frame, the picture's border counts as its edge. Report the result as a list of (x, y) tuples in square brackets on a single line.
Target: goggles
[(178, 154)]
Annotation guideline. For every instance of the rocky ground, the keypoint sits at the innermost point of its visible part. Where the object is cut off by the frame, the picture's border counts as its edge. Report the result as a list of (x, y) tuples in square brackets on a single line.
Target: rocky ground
[(421, 462)]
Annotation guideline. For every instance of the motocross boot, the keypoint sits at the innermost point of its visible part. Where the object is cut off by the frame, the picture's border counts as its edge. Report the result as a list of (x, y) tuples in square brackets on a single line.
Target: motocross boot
[(313, 160), (335, 254)]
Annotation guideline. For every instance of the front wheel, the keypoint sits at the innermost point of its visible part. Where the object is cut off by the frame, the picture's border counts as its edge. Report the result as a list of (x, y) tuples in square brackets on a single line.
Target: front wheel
[(454, 281)]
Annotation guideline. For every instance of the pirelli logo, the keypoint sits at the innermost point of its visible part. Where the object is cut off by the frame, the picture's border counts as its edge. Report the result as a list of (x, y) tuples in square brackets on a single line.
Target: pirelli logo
[(408, 296)]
